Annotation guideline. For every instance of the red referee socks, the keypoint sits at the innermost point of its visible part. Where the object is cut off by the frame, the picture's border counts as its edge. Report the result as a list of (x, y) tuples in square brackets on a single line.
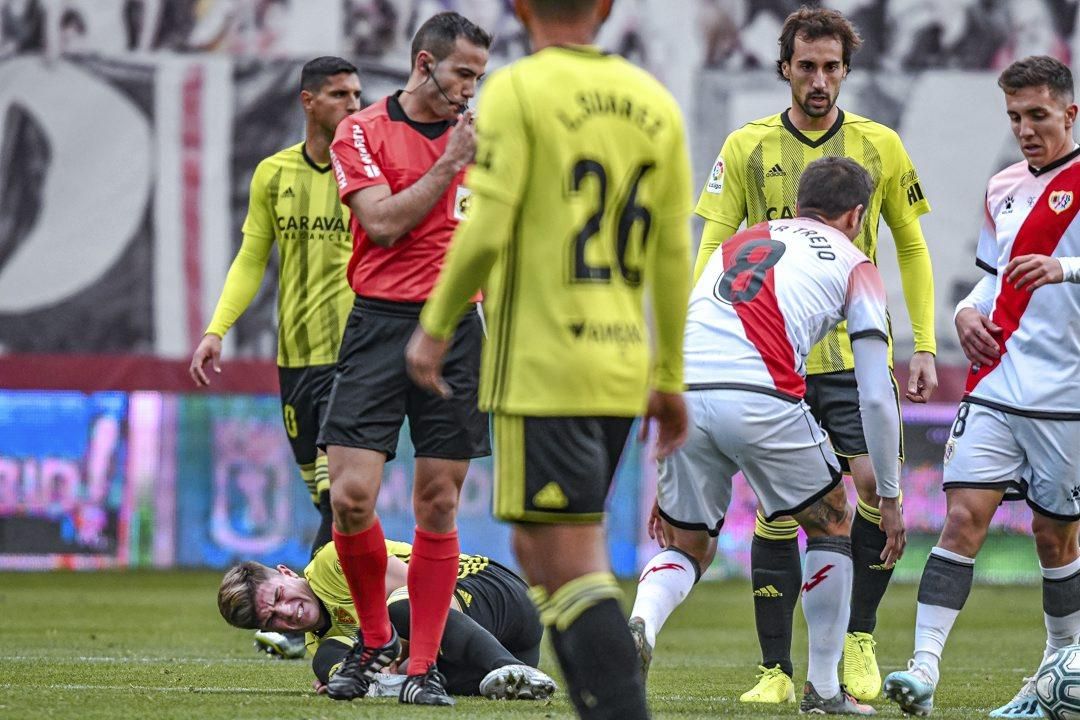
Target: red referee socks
[(363, 560), (433, 570)]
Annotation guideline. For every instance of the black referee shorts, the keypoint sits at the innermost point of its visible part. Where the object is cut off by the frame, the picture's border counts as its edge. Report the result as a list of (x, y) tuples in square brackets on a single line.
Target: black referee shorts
[(372, 394), (834, 400)]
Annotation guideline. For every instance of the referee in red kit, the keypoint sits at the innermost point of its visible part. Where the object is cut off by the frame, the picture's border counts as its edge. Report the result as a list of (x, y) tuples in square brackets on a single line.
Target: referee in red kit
[(399, 165)]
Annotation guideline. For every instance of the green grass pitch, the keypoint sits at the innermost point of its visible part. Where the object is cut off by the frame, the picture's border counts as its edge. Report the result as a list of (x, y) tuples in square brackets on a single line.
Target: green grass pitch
[(151, 645)]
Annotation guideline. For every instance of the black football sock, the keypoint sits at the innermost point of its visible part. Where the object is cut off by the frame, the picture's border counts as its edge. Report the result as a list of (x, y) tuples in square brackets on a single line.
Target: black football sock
[(776, 570), (467, 653), (326, 523), (871, 578), (328, 658), (595, 649)]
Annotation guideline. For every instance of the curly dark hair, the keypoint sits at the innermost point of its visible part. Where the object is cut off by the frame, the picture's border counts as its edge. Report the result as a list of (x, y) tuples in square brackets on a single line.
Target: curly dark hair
[(814, 23)]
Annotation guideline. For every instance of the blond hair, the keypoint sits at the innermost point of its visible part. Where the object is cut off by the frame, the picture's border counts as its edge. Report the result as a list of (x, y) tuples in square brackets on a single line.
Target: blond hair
[(236, 596)]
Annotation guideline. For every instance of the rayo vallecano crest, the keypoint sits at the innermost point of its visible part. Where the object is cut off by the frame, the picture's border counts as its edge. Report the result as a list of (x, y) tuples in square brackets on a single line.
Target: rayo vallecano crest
[(1061, 200)]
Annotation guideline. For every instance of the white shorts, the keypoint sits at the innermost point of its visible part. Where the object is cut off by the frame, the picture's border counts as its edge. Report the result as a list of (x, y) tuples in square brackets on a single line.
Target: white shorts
[(1031, 459), (777, 444)]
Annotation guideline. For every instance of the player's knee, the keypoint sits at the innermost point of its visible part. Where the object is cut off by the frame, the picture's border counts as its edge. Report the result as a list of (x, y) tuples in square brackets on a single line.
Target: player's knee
[(867, 491), (829, 516), (1055, 543), (697, 544), (961, 519), (435, 502), (862, 477), (353, 505), (963, 532), (528, 558)]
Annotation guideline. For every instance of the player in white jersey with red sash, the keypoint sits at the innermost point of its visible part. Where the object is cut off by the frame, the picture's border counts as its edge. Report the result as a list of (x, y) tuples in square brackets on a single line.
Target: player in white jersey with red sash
[(773, 292), (1017, 431)]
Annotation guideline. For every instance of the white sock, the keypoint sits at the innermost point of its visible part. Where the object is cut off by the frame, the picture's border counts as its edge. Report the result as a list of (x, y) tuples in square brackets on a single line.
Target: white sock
[(932, 626), (933, 623), (664, 583), (826, 604), (1062, 631)]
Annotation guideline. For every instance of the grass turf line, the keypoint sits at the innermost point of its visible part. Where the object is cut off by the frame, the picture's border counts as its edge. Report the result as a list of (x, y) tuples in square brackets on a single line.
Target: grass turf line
[(151, 644)]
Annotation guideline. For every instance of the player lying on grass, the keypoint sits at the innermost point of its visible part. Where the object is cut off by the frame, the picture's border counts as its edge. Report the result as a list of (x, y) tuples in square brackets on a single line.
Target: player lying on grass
[(490, 647)]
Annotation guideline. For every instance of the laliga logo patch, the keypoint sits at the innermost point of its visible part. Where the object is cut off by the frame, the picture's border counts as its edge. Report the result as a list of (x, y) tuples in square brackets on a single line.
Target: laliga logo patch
[(716, 178), (1061, 200), (462, 203)]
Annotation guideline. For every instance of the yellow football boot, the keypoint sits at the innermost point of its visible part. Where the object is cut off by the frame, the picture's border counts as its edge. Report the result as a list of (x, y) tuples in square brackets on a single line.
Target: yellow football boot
[(861, 675), (773, 686)]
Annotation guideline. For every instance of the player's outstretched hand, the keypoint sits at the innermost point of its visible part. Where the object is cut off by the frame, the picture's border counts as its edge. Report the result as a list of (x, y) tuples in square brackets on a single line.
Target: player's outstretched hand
[(655, 525), (668, 410), (1030, 272), (209, 350), (461, 148), (922, 377), (977, 336), (892, 524), (424, 360)]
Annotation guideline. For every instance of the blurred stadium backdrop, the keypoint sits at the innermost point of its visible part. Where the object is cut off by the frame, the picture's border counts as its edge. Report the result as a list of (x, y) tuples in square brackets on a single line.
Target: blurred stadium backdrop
[(129, 130)]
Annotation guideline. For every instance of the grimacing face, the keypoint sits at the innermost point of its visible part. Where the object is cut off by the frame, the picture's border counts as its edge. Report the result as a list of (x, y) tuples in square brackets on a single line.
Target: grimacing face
[(1041, 123), (815, 71), (286, 603)]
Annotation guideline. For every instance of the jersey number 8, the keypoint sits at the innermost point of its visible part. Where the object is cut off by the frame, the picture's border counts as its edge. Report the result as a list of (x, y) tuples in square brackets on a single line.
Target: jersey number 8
[(742, 280), (630, 214)]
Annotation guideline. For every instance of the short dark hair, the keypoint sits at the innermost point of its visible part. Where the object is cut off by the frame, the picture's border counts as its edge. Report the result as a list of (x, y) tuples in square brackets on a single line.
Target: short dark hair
[(832, 186), (562, 9), (814, 23), (1037, 70), (439, 33), (316, 72)]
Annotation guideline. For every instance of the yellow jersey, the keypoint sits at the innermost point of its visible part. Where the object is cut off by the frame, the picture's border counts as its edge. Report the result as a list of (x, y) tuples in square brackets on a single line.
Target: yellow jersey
[(327, 581), (581, 159), (756, 178), (294, 202)]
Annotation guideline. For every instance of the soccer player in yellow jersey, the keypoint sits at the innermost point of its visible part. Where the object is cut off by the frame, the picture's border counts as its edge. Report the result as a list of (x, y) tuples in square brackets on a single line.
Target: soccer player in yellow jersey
[(490, 647), (294, 202), (581, 194), (756, 178)]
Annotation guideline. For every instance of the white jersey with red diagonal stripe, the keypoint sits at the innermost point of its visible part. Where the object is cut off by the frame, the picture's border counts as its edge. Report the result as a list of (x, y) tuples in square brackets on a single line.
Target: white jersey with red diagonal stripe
[(768, 295), (1032, 212)]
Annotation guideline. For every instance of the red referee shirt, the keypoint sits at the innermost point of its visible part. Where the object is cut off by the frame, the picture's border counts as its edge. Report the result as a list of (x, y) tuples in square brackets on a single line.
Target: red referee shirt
[(380, 145)]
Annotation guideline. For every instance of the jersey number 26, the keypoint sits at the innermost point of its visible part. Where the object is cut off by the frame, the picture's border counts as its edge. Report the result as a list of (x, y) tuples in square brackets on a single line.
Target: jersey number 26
[(630, 214)]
